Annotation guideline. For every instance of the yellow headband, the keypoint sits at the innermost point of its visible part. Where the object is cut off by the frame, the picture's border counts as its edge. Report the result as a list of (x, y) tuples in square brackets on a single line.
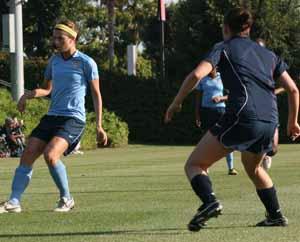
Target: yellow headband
[(66, 29)]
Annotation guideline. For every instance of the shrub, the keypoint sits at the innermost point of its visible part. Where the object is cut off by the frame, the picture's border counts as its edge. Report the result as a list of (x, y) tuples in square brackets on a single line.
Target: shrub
[(7, 106), (144, 67), (140, 102), (116, 129), (33, 71)]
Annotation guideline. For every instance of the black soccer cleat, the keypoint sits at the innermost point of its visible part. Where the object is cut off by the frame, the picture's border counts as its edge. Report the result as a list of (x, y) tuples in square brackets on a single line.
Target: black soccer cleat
[(271, 222), (204, 213)]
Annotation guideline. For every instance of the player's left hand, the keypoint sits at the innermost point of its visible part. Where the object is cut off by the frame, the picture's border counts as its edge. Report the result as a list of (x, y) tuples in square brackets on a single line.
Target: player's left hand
[(173, 108), (293, 131), (217, 99), (101, 137)]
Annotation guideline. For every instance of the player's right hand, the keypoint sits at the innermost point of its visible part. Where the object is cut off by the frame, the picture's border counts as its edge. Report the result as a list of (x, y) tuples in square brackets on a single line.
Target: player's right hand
[(217, 99), (173, 108), (101, 137), (198, 120), (293, 131)]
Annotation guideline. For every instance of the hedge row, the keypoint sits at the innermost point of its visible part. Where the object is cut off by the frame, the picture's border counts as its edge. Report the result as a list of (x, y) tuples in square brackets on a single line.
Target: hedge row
[(141, 103), (116, 129)]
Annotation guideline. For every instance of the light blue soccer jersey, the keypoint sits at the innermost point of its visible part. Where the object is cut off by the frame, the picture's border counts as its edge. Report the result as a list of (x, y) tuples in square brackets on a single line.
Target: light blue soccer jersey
[(211, 87), (70, 79)]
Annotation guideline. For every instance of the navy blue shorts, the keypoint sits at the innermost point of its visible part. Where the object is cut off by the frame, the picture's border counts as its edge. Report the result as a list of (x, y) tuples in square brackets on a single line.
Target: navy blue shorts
[(209, 116), (69, 128), (244, 135)]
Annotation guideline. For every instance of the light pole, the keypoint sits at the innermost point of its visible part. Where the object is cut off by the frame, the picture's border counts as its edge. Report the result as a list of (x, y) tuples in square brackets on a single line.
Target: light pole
[(162, 19), (17, 58)]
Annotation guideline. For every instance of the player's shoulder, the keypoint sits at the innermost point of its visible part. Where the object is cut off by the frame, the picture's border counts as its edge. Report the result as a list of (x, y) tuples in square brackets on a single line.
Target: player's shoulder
[(85, 58), (264, 51), (218, 76), (220, 45), (205, 80), (53, 57)]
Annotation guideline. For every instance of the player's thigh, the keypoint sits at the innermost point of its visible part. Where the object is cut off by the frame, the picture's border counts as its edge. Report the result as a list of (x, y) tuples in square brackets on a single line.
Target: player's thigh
[(55, 149), (251, 162), (275, 140), (256, 173), (34, 148), (208, 151)]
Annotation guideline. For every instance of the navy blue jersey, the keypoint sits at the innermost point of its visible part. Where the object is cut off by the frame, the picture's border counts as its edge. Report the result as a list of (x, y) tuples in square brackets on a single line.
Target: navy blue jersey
[(248, 71)]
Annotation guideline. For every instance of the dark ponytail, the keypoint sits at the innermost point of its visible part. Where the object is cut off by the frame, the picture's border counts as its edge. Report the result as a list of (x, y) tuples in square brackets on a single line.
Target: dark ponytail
[(238, 20)]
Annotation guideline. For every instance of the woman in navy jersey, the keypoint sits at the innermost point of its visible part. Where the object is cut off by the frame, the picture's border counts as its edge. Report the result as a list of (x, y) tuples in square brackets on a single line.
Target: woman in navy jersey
[(247, 71)]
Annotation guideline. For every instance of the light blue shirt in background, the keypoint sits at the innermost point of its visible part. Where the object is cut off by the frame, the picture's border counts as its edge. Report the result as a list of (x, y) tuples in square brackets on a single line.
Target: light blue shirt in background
[(70, 79), (211, 87)]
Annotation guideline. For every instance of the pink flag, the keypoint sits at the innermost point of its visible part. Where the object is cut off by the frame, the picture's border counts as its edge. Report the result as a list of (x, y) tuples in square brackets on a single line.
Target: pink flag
[(162, 10)]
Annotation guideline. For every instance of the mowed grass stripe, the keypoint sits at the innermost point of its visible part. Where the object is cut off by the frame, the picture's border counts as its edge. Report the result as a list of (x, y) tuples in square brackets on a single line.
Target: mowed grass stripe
[(140, 193)]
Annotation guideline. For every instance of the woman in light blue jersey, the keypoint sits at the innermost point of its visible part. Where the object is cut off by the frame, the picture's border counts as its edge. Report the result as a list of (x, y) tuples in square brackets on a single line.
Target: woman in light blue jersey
[(210, 107), (68, 75)]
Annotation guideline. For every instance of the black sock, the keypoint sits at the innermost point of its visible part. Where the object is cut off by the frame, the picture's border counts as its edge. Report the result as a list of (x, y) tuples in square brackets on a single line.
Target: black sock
[(202, 186), (271, 153), (269, 199)]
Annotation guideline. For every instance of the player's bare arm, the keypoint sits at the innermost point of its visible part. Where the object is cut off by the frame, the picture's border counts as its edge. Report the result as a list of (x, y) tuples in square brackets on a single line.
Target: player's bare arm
[(97, 101), (39, 92)]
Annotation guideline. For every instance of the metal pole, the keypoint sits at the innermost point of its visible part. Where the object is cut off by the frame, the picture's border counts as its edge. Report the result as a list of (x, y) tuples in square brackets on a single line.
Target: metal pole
[(162, 18), (162, 51), (18, 84), (131, 60), (12, 65)]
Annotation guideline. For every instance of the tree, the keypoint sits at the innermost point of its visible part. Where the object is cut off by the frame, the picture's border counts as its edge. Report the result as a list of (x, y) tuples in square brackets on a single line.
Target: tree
[(127, 22), (101, 31), (39, 18), (196, 25), (4, 9)]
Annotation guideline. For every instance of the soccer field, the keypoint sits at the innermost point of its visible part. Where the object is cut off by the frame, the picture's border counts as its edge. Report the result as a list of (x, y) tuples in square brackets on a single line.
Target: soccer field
[(140, 193)]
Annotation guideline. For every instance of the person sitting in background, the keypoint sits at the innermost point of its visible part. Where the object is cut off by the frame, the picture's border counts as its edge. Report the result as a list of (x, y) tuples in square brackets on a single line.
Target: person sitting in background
[(18, 129), (14, 137), (4, 149)]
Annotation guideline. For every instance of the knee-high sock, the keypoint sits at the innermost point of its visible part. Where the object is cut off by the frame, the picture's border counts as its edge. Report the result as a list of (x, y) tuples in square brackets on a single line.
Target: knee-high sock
[(229, 160), (202, 186), (20, 182), (269, 198), (59, 175), (271, 153)]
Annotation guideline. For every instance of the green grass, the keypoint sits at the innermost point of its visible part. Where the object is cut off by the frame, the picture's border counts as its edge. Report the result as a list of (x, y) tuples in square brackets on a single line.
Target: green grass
[(140, 193)]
